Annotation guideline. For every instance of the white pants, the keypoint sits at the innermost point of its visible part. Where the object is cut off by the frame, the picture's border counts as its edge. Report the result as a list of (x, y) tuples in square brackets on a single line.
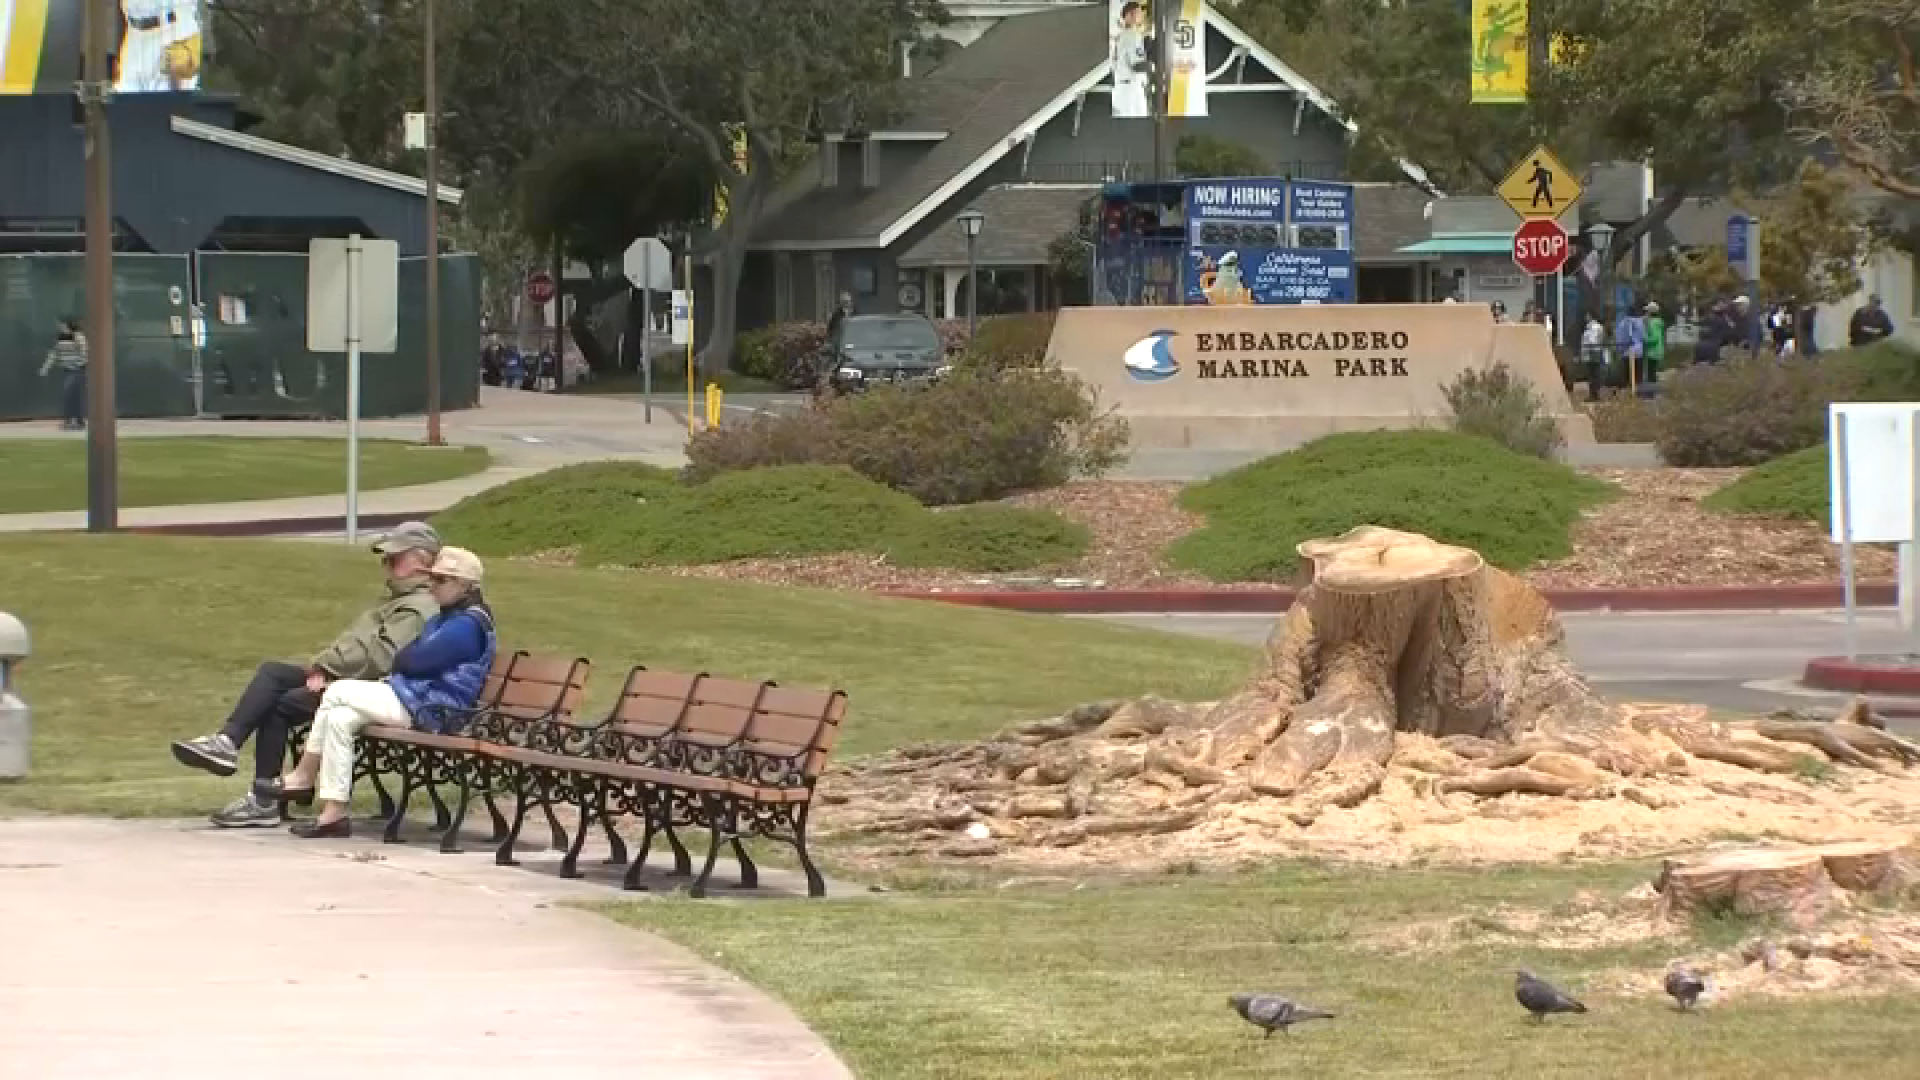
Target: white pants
[(346, 707)]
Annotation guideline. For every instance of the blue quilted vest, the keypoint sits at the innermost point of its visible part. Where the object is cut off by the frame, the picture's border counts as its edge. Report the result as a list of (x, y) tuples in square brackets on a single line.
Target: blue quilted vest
[(430, 698)]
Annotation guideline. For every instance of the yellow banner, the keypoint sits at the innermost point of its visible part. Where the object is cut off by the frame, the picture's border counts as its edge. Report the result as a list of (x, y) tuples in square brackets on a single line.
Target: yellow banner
[(739, 134), (23, 24), (1499, 61)]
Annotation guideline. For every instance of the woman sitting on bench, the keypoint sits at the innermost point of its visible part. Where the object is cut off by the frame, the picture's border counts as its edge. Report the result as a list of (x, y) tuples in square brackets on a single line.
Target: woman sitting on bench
[(439, 674)]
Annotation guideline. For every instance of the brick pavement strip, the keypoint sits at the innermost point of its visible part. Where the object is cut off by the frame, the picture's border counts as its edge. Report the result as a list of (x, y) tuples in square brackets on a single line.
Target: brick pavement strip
[(169, 952)]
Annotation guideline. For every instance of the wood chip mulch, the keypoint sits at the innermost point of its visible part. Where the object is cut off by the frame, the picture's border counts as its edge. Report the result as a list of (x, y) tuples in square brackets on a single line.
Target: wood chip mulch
[(1654, 534)]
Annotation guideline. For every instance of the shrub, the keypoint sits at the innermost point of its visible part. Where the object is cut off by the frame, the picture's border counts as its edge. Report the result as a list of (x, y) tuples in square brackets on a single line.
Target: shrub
[(991, 539), (774, 352), (972, 437), (1742, 412), (1624, 418), (1751, 410), (637, 515), (1499, 405), (1011, 341), (1515, 509), (555, 509), (1798, 486)]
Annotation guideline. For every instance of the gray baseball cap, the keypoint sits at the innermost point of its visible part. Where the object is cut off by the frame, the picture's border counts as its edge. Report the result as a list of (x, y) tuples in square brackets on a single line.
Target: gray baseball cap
[(409, 536)]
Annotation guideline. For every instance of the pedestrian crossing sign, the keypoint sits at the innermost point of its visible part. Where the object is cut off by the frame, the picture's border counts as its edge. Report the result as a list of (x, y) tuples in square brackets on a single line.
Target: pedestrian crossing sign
[(1540, 186)]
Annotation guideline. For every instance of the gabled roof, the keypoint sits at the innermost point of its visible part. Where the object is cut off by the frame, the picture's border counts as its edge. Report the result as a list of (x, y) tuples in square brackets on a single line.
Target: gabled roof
[(1021, 221), (294, 155), (990, 97)]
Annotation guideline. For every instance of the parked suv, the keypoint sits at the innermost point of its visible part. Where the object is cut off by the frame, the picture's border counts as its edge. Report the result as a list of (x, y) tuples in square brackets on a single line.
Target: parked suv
[(871, 349)]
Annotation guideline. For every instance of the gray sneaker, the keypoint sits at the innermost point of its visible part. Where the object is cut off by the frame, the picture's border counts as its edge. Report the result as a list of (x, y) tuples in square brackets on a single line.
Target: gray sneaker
[(214, 753), (248, 812)]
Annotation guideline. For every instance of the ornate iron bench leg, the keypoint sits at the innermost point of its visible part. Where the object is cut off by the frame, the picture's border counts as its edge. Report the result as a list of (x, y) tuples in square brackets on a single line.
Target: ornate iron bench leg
[(499, 820), (816, 885), (716, 837), (589, 802), (409, 770), (643, 801), (559, 836), (450, 838), (504, 855), (441, 816), (749, 873), (616, 845), (682, 860), (380, 788)]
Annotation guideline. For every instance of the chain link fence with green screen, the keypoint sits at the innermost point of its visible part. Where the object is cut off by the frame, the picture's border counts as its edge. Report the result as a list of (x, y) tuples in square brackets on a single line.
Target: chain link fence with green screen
[(153, 352), (253, 359)]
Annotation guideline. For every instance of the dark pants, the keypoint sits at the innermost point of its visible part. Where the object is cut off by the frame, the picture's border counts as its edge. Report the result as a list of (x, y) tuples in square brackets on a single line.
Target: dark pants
[(73, 398), (269, 707)]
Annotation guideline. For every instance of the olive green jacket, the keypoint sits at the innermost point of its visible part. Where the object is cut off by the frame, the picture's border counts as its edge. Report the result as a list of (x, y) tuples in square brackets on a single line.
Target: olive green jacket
[(367, 647)]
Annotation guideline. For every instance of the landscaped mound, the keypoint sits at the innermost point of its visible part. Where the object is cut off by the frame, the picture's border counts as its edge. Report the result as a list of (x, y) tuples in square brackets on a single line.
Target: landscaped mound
[(1514, 509), (1796, 487), (631, 514)]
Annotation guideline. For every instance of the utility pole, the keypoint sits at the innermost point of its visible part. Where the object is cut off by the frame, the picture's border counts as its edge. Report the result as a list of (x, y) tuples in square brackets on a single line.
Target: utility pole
[(433, 234), (99, 39), (1163, 24)]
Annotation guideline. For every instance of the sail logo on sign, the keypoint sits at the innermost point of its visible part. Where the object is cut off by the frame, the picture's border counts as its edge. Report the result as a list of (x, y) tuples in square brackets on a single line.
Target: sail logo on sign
[(1151, 359)]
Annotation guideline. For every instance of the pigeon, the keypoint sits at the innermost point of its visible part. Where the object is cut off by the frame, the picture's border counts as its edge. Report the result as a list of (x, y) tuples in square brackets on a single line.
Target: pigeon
[(1539, 997), (1272, 1012), (1685, 986)]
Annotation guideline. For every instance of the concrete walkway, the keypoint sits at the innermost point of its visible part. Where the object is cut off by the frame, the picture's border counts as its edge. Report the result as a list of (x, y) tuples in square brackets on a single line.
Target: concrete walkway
[(170, 952), (526, 433)]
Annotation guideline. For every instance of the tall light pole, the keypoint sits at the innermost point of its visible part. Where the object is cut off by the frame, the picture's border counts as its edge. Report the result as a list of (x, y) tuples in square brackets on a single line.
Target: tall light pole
[(433, 233), (971, 222), (100, 38)]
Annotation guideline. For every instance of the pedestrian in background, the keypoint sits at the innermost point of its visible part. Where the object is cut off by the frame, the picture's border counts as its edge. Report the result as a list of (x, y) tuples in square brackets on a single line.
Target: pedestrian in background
[(1654, 327), (1593, 354), (69, 356)]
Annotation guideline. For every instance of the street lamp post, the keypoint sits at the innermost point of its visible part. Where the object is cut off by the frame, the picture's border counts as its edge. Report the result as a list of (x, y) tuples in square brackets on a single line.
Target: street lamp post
[(971, 222)]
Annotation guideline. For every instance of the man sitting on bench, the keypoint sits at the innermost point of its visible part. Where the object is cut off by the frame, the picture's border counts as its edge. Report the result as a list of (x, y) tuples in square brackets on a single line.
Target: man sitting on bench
[(284, 695)]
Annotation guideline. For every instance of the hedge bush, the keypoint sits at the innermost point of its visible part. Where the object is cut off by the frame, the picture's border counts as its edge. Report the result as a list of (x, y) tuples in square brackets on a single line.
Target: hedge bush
[(1010, 341), (1515, 509), (1499, 405), (1750, 410), (630, 514), (973, 436), (774, 352), (1798, 486)]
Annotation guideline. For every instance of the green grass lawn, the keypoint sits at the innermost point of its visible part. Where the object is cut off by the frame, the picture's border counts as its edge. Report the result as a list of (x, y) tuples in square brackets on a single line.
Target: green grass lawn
[(1129, 980), (142, 640), (51, 474)]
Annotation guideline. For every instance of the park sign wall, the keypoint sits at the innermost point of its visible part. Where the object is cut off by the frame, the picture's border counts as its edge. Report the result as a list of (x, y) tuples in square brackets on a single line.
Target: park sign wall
[(1264, 379)]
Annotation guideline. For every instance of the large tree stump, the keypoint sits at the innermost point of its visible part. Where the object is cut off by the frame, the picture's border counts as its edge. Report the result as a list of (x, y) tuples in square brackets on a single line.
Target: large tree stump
[(1402, 654), (1799, 885)]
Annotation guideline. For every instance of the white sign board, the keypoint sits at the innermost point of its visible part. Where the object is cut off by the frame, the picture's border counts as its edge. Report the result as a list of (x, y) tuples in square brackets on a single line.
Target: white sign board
[(1878, 451), (378, 305), (648, 264), (682, 317)]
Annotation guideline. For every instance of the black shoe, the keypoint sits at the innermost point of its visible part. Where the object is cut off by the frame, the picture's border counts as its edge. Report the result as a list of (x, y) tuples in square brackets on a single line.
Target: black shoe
[(214, 753), (272, 789), (341, 829)]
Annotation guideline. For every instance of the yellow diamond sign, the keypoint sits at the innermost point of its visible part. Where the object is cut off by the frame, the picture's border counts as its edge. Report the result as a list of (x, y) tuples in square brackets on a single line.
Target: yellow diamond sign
[(1540, 186)]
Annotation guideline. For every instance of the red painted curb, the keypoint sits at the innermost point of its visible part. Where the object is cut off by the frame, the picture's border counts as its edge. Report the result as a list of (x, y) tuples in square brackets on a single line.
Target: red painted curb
[(1861, 676), (1229, 601)]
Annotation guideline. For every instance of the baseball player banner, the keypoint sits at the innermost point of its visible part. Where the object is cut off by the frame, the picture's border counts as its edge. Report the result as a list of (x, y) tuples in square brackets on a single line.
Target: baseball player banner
[(161, 45), (1130, 49)]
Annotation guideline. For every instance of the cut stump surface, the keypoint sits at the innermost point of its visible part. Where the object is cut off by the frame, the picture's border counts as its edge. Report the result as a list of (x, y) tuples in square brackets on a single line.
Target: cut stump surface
[(1800, 885)]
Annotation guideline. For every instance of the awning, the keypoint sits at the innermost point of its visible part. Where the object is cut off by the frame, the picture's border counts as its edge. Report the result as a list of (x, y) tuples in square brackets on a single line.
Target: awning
[(1473, 243)]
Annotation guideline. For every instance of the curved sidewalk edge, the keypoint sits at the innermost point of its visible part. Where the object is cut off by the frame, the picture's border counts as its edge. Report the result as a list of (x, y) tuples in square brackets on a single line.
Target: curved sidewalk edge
[(379, 508), (1276, 601)]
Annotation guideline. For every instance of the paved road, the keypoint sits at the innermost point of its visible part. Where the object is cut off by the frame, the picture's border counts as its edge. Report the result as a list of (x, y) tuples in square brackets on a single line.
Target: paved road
[(1747, 661), (143, 951)]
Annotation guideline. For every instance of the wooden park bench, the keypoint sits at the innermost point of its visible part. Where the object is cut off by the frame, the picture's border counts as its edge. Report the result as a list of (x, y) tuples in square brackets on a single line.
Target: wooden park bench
[(739, 759)]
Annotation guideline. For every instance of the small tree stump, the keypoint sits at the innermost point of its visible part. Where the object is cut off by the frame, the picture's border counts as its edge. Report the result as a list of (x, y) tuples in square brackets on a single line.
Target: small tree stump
[(1799, 885)]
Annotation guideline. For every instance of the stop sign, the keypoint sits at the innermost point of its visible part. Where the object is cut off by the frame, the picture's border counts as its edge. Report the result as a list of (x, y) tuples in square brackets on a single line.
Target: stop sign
[(1540, 246), (540, 286)]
